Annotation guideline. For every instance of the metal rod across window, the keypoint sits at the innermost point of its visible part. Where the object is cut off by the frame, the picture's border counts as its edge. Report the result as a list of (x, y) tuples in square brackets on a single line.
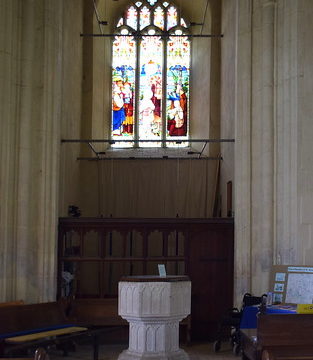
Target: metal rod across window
[(110, 141), (101, 155), (158, 35)]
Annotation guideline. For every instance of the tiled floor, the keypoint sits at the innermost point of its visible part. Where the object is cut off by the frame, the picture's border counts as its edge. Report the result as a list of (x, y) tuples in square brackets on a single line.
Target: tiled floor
[(201, 351)]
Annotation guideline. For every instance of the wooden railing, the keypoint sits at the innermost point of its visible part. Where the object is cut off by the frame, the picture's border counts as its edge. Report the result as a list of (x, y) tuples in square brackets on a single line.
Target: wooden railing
[(96, 252)]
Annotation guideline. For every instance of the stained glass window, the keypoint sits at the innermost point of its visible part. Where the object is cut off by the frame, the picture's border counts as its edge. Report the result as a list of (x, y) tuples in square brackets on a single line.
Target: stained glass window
[(123, 86), (131, 19), (144, 17), (178, 55), (150, 76), (171, 17), (150, 94), (159, 17)]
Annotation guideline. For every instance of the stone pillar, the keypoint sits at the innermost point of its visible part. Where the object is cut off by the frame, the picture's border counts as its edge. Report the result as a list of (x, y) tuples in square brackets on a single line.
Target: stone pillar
[(255, 145), (263, 141), (30, 92), (289, 38), (242, 166), (153, 306), (10, 32)]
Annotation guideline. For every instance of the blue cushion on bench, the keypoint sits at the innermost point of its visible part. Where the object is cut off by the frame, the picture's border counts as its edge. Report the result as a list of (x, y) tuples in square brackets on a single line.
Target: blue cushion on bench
[(281, 309), (34, 331)]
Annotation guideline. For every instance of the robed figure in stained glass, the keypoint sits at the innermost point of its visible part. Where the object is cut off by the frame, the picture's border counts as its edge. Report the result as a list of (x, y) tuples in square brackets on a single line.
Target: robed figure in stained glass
[(118, 105)]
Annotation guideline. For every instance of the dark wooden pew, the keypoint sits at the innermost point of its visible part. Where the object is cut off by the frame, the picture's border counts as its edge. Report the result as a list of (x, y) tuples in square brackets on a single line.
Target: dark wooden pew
[(24, 327), (95, 311), (279, 337)]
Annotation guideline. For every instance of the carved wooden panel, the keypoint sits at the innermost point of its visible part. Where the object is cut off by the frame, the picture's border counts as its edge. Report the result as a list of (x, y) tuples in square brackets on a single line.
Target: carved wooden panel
[(95, 253)]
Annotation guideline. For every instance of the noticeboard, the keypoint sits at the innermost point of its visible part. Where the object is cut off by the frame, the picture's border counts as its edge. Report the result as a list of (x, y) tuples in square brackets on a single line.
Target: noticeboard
[(292, 284)]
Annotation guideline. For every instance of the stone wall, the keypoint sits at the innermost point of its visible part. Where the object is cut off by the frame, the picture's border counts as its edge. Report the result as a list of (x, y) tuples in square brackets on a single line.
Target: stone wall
[(96, 105), (272, 157), (46, 93), (301, 82), (227, 98), (205, 80), (71, 111), (30, 87)]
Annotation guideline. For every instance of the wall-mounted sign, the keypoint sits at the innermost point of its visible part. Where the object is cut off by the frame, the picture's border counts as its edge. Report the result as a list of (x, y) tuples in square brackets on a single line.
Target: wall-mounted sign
[(292, 284)]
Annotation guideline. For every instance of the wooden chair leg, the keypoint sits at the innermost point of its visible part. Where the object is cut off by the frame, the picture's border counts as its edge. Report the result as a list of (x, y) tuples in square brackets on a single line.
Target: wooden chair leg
[(95, 347), (41, 354)]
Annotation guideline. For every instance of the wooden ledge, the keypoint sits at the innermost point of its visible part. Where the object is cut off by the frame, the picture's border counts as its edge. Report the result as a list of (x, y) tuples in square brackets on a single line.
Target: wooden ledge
[(44, 334), (155, 278)]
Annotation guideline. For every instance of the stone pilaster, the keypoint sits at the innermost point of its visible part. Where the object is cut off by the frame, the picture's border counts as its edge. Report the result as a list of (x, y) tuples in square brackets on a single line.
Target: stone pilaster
[(243, 148), (31, 94), (255, 139), (262, 143), (10, 42), (286, 249)]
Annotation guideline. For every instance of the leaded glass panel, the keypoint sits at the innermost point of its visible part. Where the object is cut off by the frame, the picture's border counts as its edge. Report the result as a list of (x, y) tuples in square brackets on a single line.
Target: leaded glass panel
[(120, 22), (159, 17), (178, 59), (171, 17), (144, 17), (183, 23), (150, 88), (123, 86), (131, 17)]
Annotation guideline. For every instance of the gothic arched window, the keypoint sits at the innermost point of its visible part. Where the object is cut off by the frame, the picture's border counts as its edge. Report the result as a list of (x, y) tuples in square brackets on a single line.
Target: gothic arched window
[(150, 75)]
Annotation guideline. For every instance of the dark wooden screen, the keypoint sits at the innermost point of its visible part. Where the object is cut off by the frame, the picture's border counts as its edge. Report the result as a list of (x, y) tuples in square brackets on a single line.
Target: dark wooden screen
[(98, 251)]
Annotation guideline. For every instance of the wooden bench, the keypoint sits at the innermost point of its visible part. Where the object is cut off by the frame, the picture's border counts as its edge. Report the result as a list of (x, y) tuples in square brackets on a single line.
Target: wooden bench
[(279, 337), (95, 311), (25, 327), (103, 312), (11, 303)]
